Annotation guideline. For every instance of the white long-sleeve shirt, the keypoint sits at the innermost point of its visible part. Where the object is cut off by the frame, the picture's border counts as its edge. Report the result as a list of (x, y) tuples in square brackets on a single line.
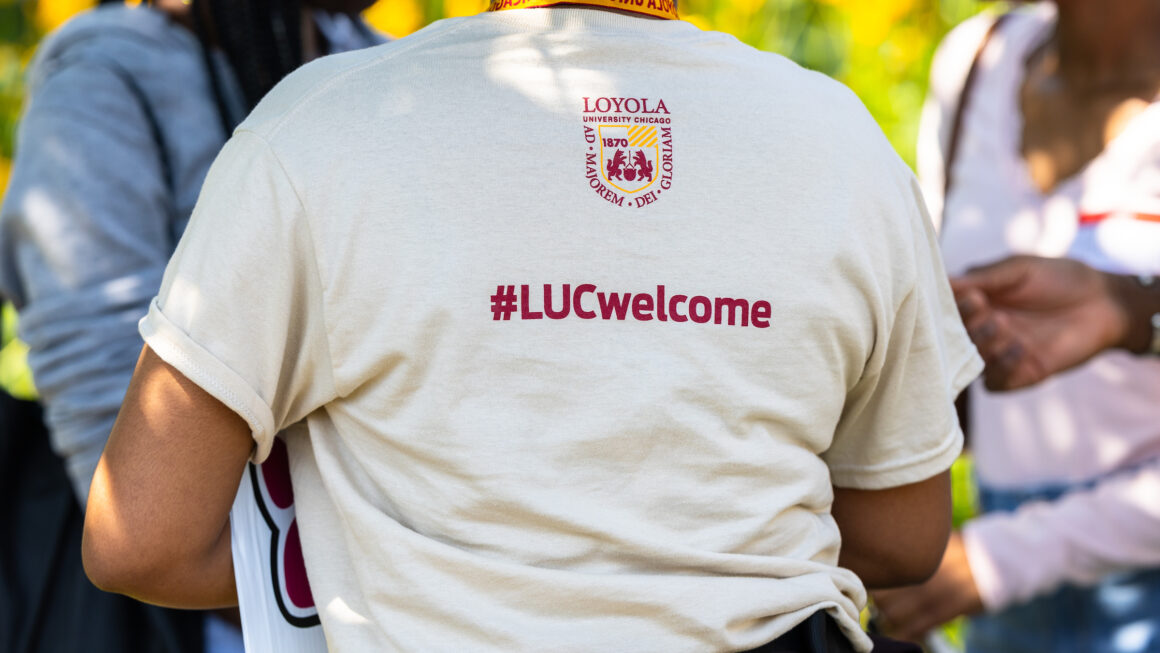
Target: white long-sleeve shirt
[(1097, 426)]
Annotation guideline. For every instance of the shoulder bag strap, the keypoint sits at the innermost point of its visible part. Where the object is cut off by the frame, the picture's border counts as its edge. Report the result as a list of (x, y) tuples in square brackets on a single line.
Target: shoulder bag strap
[(962, 403), (961, 109)]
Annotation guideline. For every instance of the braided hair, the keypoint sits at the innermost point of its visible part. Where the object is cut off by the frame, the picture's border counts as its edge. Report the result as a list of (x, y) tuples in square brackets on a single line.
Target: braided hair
[(262, 40)]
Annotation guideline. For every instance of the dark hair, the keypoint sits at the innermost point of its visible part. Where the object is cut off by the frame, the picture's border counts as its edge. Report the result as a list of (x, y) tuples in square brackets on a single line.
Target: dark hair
[(262, 40)]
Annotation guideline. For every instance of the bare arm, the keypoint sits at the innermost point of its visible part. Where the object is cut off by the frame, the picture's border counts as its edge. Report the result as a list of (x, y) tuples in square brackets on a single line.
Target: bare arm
[(910, 612), (895, 536), (157, 523)]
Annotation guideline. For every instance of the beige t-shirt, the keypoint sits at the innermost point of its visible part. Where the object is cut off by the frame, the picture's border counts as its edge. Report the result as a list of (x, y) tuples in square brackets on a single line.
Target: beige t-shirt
[(584, 313)]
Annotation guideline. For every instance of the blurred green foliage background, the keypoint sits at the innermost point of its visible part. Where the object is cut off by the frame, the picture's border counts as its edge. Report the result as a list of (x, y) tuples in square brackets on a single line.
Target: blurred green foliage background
[(880, 48)]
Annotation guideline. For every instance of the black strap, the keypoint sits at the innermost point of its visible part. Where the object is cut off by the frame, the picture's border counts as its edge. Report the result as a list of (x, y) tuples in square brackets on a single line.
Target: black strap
[(154, 125), (962, 402), (215, 81), (961, 110), (134, 88)]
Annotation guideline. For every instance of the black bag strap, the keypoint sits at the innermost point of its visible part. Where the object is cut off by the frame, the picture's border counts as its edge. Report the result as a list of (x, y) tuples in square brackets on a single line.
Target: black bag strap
[(952, 150), (201, 30), (962, 402), (129, 81), (154, 125)]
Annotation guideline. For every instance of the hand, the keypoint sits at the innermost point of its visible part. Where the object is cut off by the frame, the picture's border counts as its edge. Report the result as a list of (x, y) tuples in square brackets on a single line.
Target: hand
[(910, 612), (1032, 317)]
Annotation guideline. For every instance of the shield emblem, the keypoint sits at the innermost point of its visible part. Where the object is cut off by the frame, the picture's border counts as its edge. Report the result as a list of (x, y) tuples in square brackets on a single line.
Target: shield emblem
[(628, 155)]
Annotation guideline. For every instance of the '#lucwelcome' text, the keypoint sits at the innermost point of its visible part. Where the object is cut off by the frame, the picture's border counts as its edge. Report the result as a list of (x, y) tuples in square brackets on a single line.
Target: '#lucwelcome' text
[(586, 302)]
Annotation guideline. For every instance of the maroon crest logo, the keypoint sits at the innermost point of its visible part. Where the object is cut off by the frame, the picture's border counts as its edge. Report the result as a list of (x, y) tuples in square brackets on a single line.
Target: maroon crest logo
[(629, 157)]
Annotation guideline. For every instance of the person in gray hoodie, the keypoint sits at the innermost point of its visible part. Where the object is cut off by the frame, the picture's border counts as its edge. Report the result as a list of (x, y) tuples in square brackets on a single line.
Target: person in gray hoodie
[(126, 109)]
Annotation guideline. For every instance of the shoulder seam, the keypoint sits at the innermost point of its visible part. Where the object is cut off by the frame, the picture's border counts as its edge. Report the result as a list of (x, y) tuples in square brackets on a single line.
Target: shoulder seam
[(313, 250), (405, 45)]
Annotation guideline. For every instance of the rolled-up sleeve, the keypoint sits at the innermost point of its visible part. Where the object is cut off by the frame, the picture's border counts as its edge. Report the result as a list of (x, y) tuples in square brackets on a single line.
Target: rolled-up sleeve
[(241, 310), (899, 425)]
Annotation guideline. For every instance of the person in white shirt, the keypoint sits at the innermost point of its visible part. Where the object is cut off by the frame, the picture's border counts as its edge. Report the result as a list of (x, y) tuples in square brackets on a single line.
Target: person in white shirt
[(1058, 156)]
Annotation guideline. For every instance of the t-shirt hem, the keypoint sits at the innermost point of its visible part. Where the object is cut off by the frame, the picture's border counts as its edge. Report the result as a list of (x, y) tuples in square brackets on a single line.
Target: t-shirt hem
[(176, 348), (924, 465), (913, 470)]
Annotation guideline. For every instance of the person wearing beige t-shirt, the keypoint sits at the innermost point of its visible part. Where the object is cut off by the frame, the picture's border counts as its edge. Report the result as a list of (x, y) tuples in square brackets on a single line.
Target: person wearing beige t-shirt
[(591, 332)]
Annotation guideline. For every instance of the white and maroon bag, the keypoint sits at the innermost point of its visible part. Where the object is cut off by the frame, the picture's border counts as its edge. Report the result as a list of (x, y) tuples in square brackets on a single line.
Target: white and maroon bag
[(277, 608)]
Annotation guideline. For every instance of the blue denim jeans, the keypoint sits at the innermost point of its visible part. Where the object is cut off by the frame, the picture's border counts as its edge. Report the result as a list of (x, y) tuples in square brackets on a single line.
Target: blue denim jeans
[(1119, 615)]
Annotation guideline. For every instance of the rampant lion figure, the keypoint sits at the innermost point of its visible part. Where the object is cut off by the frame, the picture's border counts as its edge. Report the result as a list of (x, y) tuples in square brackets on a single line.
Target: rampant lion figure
[(615, 165), (644, 168)]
